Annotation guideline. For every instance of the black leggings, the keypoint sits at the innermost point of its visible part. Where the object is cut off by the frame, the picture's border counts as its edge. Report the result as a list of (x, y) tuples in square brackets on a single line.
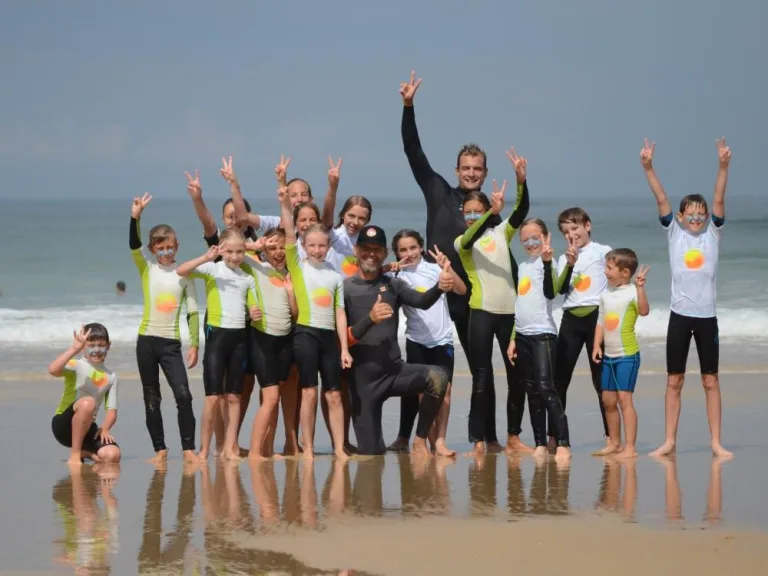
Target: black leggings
[(575, 333), (535, 366), (224, 361), (317, 350), (416, 353), (152, 354), (483, 326)]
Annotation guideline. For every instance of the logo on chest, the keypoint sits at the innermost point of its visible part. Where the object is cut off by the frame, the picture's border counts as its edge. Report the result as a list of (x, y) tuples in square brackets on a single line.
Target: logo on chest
[(694, 259)]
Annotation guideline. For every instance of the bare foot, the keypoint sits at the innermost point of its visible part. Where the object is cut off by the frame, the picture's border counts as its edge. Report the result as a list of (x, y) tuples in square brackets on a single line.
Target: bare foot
[(189, 455), (514, 444), (160, 456), (75, 461), (442, 450), (203, 455), (610, 449), (627, 452), (256, 457), (308, 453), (478, 450), (400, 446), (562, 455), (189, 467), (420, 448), (720, 452), (341, 456), (540, 453), (290, 449), (231, 455), (493, 447), (664, 450)]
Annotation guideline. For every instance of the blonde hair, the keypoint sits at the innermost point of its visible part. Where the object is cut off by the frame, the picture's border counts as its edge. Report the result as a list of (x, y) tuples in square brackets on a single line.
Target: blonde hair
[(317, 228), (231, 235), (161, 233)]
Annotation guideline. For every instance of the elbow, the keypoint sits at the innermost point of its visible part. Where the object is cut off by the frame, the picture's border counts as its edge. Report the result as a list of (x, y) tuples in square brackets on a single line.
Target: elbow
[(645, 311), (53, 371), (461, 290)]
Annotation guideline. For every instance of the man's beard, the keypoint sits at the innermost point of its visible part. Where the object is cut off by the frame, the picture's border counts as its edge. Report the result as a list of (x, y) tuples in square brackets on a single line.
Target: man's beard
[(369, 269)]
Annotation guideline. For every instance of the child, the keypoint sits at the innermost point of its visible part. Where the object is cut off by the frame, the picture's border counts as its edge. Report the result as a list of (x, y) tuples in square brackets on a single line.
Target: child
[(492, 271), (228, 291), (428, 333), (271, 346), (582, 289), (534, 340), (159, 342), (320, 300), (87, 383), (619, 308), (694, 246)]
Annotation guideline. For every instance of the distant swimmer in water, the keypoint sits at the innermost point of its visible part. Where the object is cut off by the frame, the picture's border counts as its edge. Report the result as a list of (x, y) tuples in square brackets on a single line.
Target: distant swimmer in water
[(119, 288), (87, 384)]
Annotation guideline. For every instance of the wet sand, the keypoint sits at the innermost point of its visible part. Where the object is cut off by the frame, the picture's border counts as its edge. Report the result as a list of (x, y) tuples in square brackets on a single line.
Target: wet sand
[(385, 515)]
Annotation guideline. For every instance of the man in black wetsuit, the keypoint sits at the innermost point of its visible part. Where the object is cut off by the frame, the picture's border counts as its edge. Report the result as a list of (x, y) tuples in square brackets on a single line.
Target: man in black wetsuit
[(372, 303)]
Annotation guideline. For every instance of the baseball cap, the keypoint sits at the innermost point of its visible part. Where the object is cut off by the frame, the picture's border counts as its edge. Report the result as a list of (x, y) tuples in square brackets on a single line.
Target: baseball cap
[(372, 235)]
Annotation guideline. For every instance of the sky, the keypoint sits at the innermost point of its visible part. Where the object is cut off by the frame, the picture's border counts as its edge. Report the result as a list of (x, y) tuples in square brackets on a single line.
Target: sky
[(109, 99)]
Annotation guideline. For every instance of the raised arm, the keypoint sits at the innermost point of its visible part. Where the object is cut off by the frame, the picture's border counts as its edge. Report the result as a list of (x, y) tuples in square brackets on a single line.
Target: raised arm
[(134, 236), (646, 159), (329, 205), (420, 167), (188, 267), (195, 191), (474, 232), (286, 215), (724, 157), (522, 204), (56, 368), (550, 286)]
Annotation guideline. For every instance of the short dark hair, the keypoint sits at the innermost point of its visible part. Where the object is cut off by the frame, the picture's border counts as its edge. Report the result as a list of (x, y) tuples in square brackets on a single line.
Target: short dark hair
[(292, 180), (624, 258), (693, 199), (472, 149), (274, 232), (478, 196), (97, 332), (120, 285), (310, 205), (573, 215)]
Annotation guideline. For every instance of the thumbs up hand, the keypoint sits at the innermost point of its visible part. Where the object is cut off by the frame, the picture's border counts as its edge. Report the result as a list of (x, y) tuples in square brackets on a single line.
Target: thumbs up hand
[(381, 311), (445, 281)]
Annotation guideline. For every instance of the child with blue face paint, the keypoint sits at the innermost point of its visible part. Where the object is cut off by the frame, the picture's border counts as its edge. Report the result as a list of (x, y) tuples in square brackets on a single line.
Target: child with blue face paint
[(158, 345)]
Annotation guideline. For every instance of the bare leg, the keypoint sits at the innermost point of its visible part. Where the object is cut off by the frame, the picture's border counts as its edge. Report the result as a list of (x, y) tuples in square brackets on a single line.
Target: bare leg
[(245, 399), (81, 422), (308, 418), (326, 416), (269, 440), (336, 419), (711, 383), (260, 429), (289, 400), (219, 427), (613, 419), (441, 426), (629, 414), (420, 449), (233, 417), (672, 403), (210, 413)]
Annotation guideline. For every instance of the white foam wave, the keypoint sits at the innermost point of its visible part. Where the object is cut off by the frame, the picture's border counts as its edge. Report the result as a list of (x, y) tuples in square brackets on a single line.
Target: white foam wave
[(40, 327)]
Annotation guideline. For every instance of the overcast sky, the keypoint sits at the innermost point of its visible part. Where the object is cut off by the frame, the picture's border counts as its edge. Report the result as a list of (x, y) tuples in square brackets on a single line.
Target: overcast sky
[(109, 98)]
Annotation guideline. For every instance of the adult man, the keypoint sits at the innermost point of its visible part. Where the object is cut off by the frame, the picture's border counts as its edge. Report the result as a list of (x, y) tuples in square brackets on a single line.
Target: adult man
[(372, 303)]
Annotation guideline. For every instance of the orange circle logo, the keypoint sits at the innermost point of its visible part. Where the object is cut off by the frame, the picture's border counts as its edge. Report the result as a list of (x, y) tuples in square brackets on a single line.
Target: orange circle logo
[(99, 379), (694, 259), (166, 303), (487, 244), (611, 321), (524, 286), (276, 280), (349, 266), (582, 282), (322, 297)]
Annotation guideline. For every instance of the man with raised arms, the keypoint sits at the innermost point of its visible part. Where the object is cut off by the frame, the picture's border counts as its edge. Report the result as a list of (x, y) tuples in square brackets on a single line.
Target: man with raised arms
[(372, 302)]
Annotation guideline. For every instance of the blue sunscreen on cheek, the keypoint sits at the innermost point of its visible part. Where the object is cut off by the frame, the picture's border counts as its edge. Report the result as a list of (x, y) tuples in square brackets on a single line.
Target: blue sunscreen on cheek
[(472, 216), (164, 253), (531, 242), (696, 218), (96, 350)]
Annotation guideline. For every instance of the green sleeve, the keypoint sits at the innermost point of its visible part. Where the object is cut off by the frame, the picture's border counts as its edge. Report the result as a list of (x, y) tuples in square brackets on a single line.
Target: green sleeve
[(193, 321), (519, 212), (473, 232), (560, 280)]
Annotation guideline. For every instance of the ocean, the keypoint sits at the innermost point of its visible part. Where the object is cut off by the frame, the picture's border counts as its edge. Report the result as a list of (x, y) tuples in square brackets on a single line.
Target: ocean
[(61, 260)]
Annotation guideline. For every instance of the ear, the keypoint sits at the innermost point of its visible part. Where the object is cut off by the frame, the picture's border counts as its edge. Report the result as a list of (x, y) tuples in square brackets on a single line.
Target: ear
[(588, 227), (109, 345), (680, 217), (457, 171)]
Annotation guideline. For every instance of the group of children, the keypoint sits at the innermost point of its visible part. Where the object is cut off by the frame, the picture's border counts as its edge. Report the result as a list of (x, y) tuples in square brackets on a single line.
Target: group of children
[(275, 313)]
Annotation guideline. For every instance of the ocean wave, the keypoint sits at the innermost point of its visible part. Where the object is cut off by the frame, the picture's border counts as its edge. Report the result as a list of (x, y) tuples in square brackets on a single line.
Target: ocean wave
[(54, 326)]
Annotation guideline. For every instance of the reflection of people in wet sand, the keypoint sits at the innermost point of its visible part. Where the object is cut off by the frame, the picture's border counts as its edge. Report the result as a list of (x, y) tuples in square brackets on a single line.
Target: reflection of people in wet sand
[(610, 496), (674, 497), (424, 488), (548, 493), (90, 532), (153, 556)]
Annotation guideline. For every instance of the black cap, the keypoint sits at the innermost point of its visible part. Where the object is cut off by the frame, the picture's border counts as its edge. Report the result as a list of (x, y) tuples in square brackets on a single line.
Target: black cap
[(372, 235)]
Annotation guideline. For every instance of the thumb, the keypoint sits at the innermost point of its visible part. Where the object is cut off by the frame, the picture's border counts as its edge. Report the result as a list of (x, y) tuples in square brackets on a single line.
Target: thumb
[(378, 299)]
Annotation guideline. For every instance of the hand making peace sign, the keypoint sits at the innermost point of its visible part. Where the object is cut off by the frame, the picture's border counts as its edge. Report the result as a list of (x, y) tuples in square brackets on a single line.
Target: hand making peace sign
[(139, 204), (281, 170), (646, 154), (642, 272), (723, 152), (497, 197), (546, 248), (334, 173), (571, 255), (194, 189), (227, 172), (519, 163), (408, 89)]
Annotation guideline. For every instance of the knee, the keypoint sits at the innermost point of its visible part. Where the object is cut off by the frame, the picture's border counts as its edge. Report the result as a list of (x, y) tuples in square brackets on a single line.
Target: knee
[(437, 381), (109, 454), (710, 381), (675, 382), (182, 396), (610, 402), (86, 405), (334, 398), (233, 399)]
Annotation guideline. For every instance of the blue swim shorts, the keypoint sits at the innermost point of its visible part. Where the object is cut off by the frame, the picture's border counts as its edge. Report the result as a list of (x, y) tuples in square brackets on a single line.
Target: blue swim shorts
[(620, 374)]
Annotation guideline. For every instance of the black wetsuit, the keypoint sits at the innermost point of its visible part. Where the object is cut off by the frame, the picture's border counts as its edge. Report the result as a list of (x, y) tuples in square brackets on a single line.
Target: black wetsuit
[(378, 371), (445, 219)]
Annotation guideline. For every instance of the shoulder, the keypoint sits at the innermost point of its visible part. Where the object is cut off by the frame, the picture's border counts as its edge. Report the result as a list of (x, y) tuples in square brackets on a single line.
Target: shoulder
[(602, 249)]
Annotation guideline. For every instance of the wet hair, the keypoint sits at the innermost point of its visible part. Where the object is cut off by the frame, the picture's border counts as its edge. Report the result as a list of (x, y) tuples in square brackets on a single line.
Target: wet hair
[(472, 149), (624, 258), (477, 196), (160, 233), (249, 232), (292, 180), (538, 222), (361, 201), (692, 200), (574, 215), (120, 285), (97, 332), (310, 205), (274, 232), (317, 228), (230, 235), (407, 233)]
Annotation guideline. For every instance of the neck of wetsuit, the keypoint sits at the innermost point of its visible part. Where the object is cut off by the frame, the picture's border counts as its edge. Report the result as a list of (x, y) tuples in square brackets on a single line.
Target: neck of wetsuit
[(368, 277)]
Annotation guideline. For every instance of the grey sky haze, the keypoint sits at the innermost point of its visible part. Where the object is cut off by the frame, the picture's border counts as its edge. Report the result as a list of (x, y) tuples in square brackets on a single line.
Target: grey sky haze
[(110, 99)]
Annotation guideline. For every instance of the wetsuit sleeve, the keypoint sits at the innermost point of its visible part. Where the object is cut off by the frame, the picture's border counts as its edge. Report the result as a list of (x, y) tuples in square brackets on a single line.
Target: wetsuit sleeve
[(203, 271), (407, 296), (550, 288), (425, 176), (110, 398), (292, 262), (193, 317), (563, 280), (601, 313), (339, 297), (473, 233), (359, 328), (718, 221), (666, 220), (134, 243), (522, 205), (213, 239), (250, 296)]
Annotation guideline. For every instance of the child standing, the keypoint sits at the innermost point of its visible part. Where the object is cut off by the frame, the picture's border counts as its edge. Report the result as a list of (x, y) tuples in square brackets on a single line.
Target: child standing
[(694, 248), (87, 384), (492, 272), (582, 289), (534, 340), (619, 308), (319, 294), (158, 345), (229, 290)]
